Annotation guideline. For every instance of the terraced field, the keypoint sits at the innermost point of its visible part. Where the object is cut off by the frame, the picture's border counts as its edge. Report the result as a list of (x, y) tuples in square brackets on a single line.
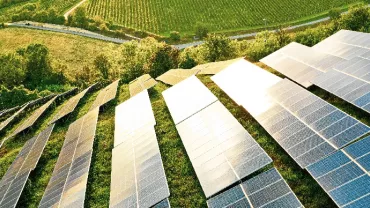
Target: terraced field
[(161, 17)]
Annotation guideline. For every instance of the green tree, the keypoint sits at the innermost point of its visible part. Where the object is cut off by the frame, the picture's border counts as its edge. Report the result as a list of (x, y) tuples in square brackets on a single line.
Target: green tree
[(175, 36), (163, 60), (79, 18), (12, 70), (187, 62), (102, 64), (357, 19), (201, 30), (218, 48)]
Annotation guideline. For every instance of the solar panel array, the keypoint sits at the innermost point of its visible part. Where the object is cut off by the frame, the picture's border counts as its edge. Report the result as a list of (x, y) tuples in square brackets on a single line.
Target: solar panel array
[(140, 84), (69, 107), (301, 63), (345, 175), (221, 151), (138, 178), (34, 117), (67, 185), (346, 44), (11, 118), (105, 95), (8, 111), (214, 67), (175, 76), (267, 189), (14, 180), (307, 127)]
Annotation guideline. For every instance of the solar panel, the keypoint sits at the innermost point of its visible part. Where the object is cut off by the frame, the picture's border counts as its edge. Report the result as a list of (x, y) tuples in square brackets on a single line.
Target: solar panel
[(33, 118), (215, 67), (177, 98), (301, 63), (105, 95), (267, 189), (346, 44), (142, 83), (345, 175), (11, 118), (307, 127), (67, 185), (133, 114), (220, 149), (138, 178), (13, 182), (69, 107), (175, 76), (8, 111)]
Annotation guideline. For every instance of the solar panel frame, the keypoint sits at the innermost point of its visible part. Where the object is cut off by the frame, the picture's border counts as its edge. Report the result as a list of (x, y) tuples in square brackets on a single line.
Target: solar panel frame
[(138, 178), (105, 95), (5, 123), (71, 104), (215, 67), (68, 177), (16, 177), (140, 84), (174, 76)]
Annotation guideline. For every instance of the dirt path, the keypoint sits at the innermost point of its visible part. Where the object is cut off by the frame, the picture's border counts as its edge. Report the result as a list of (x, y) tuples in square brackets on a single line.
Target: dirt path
[(73, 8)]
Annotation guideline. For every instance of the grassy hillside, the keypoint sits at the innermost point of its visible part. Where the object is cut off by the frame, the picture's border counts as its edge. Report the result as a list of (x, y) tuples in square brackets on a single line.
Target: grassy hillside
[(73, 51), (161, 17)]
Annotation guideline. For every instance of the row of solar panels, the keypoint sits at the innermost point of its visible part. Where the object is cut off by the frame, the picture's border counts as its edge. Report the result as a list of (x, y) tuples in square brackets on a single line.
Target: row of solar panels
[(67, 185), (223, 153)]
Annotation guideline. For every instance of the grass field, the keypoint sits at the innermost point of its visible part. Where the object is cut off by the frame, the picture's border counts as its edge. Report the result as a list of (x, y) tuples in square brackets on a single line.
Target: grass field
[(73, 51), (161, 17)]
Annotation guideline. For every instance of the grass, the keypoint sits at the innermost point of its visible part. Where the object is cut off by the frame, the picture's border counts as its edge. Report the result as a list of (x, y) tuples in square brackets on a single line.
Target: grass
[(73, 51), (177, 15)]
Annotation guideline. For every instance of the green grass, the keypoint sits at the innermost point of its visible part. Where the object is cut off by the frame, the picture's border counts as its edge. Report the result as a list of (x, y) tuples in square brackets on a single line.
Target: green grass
[(161, 17)]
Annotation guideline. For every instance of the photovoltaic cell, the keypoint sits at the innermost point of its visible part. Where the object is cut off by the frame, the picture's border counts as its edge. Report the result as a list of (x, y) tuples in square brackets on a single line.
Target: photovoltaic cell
[(177, 98), (140, 84), (220, 149), (14, 180), (307, 127), (33, 118), (215, 67), (344, 176), (267, 189), (133, 114), (105, 95), (175, 76), (11, 118), (67, 185), (70, 105), (138, 178)]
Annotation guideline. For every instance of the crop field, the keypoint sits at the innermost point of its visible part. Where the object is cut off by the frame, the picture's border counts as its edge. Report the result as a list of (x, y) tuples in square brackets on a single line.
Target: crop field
[(163, 16)]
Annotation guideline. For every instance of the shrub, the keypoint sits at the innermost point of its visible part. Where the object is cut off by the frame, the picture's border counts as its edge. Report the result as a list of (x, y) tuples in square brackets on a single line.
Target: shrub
[(103, 65), (175, 36), (12, 70), (218, 47), (201, 30)]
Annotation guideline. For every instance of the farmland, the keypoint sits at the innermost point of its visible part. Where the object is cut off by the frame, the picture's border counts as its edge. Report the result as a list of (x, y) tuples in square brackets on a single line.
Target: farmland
[(161, 17)]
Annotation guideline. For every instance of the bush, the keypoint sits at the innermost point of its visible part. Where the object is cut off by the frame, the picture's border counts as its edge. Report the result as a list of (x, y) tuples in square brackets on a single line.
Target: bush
[(12, 70), (16, 96), (175, 36), (163, 60), (218, 48), (201, 30), (103, 65), (187, 62)]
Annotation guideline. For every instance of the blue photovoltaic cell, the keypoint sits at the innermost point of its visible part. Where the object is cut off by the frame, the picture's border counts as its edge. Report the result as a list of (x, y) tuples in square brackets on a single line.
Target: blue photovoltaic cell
[(267, 189), (343, 179)]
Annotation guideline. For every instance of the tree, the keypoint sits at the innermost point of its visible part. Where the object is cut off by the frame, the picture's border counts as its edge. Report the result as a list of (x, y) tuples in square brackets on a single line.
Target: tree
[(187, 62), (79, 18), (12, 70), (218, 48), (175, 36), (201, 31), (163, 60), (102, 64), (357, 19)]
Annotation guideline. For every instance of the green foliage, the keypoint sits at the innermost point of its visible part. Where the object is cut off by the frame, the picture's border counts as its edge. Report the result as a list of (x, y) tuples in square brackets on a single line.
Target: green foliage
[(163, 60), (16, 96), (357, 19), (334, 14), (32, 12), (175, 36), (103, 65), (12, 70), (201, 30), (79, 18), (312, 36), (219, 15), (186, 62), (218, 48)]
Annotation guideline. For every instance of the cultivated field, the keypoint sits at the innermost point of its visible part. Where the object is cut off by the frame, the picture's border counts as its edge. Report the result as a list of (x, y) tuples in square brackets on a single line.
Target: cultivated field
[(163, 16)]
